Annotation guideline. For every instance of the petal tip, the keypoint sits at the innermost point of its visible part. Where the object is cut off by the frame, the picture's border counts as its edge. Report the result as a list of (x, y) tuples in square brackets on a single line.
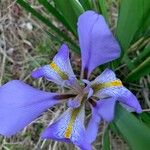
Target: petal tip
[(64, 45), (63, 52)]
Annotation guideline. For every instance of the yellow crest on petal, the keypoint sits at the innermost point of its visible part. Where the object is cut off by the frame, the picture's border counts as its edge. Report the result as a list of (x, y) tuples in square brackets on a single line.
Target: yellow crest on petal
[(71, 123), (98, 86), (62, 74)]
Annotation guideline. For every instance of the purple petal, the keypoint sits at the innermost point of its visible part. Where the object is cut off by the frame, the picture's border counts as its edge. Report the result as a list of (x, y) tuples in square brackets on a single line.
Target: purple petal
[(98, 46), (106, 108), (58, 130), (123, 95), (120, 93), (93, 125), (106, 76), (127, 107), (20, 104), (60, 70), (130, 100)]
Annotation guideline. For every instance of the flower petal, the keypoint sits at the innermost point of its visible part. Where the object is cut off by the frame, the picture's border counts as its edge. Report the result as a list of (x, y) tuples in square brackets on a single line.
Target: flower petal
[(106, 76), (60, 70), (106, 108), (93, 125), (107, 85), (98, 46), (20, 104), (123, 95), (130, 100), (69, 127)]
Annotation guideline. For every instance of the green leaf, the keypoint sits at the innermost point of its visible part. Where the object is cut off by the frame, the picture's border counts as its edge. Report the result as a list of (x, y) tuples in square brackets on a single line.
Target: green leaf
[(133, 20), (103, 8), (145, 117), (114, 128), (134, 131), (142, 70), (106, 140), (86, 4), (48, 23), (55, 13), (71, 9)]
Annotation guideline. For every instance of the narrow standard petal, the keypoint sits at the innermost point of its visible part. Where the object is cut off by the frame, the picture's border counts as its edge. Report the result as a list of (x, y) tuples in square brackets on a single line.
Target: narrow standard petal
[(69, 127), (20, 104), (59, 70), (107, 85), (93, 125), (98, 46), (102, 109)]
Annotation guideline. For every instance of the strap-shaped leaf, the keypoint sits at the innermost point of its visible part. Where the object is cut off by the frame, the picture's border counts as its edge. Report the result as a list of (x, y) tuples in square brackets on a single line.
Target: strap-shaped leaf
[(103, 8), (86, 4), (145, 117), (133, 20), (134, 131), (71, 9), (55, 13), (106, 140)]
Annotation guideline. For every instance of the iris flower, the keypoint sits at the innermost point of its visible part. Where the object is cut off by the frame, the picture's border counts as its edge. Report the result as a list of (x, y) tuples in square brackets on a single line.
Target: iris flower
[(20, 103)]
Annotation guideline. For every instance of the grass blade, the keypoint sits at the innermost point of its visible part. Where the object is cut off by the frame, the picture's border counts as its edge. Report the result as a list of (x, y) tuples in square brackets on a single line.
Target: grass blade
[(103, 8), (142, 70), (71, 9), (86, 4), (55, 13), (133, 21), (106, 141), (143, 55), (128, 62)]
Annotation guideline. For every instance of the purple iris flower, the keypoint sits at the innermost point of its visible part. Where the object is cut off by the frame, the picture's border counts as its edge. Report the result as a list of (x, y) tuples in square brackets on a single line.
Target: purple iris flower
[(20, 103)]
